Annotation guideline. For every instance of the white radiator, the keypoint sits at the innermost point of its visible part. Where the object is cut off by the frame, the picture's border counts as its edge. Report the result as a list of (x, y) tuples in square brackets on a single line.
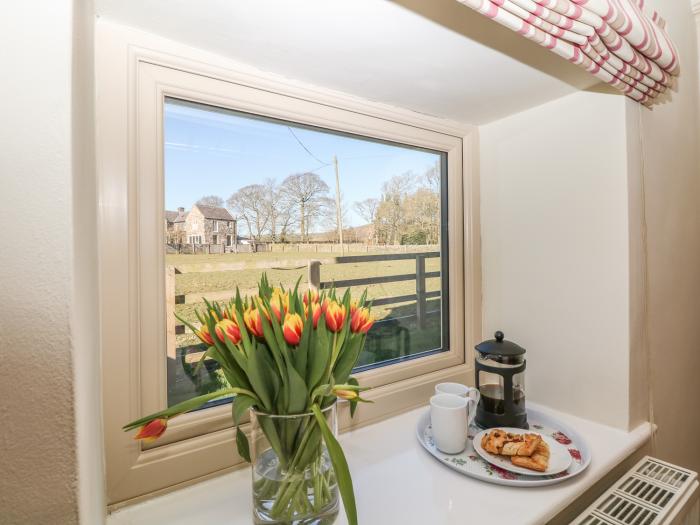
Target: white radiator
[(653, 492)]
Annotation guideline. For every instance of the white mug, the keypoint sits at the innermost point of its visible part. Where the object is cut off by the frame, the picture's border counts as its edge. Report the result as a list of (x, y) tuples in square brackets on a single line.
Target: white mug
[(471, 394), (448, 418)]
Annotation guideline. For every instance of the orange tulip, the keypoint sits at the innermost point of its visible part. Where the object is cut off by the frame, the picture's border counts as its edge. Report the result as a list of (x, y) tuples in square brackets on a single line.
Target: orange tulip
[(292, 328), (227, 328), (346, 394), (279, 303), (204, 335), (335, 316), (361, 321), (253, 322), (152, 430), (353, 308), (314, 297), (315, 312)]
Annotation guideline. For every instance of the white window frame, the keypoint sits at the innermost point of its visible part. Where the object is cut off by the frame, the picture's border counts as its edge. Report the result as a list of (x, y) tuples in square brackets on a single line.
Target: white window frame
[(134, 72), (216, 226)]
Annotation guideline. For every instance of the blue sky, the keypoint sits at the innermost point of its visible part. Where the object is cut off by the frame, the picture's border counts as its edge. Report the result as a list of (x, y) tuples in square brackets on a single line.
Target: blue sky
[(211, 152)]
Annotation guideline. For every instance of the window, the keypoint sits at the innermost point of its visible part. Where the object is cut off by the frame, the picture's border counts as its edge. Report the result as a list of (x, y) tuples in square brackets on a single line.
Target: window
[(385, 216), (216, 225), (415, 249)]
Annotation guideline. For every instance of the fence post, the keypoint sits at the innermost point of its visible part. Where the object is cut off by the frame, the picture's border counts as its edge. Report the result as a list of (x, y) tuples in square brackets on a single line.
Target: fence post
[(170, 345), (421, 305), (314, 275)]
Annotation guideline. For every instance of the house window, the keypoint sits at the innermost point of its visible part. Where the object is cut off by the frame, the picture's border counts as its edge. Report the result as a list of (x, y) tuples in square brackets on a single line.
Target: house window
[(215, 226), (386, 220), (269, 160)]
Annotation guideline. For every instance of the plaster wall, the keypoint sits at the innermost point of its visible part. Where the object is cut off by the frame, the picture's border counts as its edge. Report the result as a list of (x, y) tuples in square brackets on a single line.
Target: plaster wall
[(669, 143), (555, 254), (47, 341)]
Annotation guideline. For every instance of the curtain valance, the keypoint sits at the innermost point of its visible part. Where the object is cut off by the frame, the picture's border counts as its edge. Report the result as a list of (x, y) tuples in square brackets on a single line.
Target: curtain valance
[(622, 42)]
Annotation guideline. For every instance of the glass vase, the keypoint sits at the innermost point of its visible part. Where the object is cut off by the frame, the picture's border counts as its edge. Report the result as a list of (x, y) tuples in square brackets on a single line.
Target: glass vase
[(293, 478)]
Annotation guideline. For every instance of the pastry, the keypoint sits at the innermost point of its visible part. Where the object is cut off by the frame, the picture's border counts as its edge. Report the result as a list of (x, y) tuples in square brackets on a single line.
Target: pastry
[(525, 446), (539, 460)]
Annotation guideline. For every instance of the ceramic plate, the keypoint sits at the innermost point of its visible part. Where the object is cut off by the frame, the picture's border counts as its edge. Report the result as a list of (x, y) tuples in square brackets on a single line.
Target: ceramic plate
[(559, 457), (471, 464)]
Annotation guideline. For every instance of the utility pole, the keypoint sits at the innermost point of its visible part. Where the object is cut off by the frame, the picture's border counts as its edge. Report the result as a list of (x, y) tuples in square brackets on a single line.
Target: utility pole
[(338, 212)]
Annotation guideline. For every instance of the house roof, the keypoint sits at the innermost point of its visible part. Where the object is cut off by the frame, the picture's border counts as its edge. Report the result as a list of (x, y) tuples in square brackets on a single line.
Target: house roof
[(214, 212), (175, 216)]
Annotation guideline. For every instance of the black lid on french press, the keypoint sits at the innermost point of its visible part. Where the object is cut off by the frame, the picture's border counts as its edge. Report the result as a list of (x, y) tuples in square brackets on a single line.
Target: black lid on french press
[(499, 346)]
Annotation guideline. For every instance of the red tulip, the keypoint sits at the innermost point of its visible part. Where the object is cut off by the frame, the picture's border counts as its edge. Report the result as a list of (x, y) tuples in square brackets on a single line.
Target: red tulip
[(353, 308), (253, 322), (152, 430), (292, 329), (279, 303), (361, 321), (315, 312), (204, 335), (227, 328), (314, 297), (335, 316)]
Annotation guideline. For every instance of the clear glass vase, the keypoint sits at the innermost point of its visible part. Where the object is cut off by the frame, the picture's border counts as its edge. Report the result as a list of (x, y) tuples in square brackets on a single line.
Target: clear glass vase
[(293, 478)]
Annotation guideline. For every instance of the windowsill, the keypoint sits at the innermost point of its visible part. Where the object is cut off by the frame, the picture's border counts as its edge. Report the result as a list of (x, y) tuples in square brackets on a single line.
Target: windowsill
[(396, 481)]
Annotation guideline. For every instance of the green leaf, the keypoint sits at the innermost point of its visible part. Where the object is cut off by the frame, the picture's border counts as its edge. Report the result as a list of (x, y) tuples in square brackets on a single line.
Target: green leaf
[(348, 357), (319, 356), (340, 465), (187, 406), (239, 407), (259, 378), (297, 392), (353, 403), (242, 445)]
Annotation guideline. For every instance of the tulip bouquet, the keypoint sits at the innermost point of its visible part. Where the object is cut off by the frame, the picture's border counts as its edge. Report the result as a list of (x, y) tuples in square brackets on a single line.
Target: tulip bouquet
[(288, 356)]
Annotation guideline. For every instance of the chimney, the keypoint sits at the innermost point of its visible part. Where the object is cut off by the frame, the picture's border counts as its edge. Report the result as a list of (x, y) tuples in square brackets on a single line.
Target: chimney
[(181, 210)]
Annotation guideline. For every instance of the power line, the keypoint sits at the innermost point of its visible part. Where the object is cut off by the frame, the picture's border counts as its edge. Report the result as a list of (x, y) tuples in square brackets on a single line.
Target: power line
[(306, 149)]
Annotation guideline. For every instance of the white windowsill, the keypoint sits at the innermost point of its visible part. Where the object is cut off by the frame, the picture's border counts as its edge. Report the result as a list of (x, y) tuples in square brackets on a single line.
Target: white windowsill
[(396, 481)]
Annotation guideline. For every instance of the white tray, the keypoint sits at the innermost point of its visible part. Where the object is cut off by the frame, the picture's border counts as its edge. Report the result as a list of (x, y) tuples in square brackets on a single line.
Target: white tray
[(470, 464)]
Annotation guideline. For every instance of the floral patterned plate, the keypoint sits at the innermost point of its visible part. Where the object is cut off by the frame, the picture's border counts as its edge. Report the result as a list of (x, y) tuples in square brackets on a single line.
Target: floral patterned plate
[(470, 464), (559, 461)]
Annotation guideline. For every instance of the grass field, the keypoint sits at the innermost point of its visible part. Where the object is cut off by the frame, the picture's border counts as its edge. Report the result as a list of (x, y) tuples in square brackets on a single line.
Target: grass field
[(397, 335)]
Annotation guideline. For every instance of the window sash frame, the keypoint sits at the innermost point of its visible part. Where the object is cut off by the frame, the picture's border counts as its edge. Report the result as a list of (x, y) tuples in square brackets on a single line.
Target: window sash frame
[(132, 278)]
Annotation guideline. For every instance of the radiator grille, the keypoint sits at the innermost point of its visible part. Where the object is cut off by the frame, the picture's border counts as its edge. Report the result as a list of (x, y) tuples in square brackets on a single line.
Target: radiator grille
[(643, 496)]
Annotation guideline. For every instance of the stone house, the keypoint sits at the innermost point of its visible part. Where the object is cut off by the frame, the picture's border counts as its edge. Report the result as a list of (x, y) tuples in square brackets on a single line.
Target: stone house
[(210, 225), (175, 226)]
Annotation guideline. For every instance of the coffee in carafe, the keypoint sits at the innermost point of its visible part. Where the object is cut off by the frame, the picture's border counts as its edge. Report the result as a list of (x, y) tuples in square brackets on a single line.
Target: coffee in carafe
[(500, 378)]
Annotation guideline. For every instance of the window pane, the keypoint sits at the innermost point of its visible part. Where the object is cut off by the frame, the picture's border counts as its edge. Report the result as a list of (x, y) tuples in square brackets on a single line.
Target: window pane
[(246, 195)]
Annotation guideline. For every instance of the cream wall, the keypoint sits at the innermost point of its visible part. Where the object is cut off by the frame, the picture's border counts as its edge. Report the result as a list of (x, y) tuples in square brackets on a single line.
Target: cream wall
[(672, 179), (555, 249), (47, 339)]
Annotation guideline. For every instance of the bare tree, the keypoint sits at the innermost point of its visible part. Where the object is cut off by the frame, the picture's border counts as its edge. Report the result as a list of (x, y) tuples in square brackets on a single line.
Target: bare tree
[(432, 178), (308, 194), (250, 203), (389, 223), (367, 209), (211, 200)]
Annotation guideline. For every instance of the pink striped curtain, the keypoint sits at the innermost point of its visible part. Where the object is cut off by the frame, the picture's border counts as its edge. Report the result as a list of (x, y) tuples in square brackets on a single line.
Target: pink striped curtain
[(621, 42)]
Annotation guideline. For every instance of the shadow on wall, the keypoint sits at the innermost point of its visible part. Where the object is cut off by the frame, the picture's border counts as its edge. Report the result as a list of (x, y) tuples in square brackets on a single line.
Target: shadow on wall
[(463, 20)]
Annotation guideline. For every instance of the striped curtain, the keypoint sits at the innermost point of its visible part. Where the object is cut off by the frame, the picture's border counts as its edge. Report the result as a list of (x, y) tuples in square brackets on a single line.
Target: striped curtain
[(621, 42)]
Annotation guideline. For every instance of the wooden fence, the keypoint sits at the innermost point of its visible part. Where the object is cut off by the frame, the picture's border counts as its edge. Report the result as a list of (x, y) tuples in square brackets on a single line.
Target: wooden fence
[(313, 268)]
